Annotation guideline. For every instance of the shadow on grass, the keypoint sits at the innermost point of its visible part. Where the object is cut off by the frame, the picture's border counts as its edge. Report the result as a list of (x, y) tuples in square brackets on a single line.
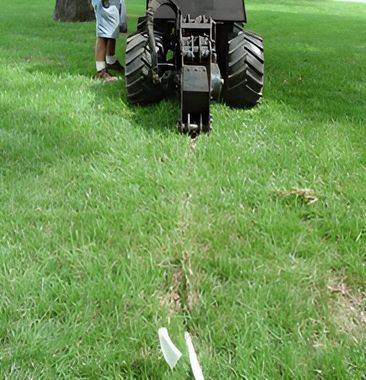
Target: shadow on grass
[(161, 117), (319, 70), (34, 141), (58, 69)]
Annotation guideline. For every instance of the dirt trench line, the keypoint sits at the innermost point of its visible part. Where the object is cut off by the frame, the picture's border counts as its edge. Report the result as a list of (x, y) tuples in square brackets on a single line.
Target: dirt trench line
[(181, 295)]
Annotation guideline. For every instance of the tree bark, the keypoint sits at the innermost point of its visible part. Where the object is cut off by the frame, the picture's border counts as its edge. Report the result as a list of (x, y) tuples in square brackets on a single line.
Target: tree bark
[(73, 10)]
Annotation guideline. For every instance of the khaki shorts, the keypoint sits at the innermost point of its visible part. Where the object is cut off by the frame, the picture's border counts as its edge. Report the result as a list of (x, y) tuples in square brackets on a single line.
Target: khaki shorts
[(109, 20)]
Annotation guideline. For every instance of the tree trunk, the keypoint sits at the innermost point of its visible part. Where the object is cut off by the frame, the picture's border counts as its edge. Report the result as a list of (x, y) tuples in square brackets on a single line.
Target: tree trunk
[(73, 10)]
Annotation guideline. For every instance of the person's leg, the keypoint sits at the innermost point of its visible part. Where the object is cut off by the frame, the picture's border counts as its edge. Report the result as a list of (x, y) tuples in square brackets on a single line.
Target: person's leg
[(106, 31), (100, 53), (111, 52), (111, 58), (100, 57), (111, 47)]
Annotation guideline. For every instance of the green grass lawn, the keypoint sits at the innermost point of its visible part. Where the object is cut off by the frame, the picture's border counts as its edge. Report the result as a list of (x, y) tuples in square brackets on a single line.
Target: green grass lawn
[(113, 225)]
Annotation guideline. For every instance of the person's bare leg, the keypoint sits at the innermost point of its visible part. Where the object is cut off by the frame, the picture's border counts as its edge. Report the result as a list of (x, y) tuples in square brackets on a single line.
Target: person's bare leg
[(111, 47), (100, 52), (100, 57), (111, 58)]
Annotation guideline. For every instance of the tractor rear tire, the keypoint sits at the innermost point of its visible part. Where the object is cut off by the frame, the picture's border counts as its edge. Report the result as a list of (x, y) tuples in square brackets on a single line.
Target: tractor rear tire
[(245, 71), (139, 83)]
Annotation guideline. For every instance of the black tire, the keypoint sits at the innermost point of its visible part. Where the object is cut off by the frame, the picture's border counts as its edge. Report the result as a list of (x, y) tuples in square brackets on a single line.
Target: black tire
[(245, 71), (141, 24), (238, 27), (139, 84)]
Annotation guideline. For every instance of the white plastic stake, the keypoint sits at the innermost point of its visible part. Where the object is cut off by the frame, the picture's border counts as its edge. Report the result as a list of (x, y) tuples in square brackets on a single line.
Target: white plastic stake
[(170, 351), (196, 369)]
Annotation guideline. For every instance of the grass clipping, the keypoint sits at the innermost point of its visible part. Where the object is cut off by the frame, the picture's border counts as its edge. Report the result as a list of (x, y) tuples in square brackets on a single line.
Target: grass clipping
[(309, 196), (348, 309)]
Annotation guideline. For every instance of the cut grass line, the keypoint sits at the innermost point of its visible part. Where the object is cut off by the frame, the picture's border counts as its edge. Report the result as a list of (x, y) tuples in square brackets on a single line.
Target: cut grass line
[(182, 295)]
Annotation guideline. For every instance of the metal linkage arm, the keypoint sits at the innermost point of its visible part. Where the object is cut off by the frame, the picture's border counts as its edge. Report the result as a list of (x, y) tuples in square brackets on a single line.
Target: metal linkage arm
[(153, 6), (197, 40)]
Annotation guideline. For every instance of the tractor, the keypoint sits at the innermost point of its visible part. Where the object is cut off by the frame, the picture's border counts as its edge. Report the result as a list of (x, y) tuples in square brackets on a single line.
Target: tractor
[(199, 50)]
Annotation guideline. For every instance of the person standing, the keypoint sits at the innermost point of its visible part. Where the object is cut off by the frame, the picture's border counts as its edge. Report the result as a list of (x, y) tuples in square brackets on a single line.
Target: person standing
[(111, 19)]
